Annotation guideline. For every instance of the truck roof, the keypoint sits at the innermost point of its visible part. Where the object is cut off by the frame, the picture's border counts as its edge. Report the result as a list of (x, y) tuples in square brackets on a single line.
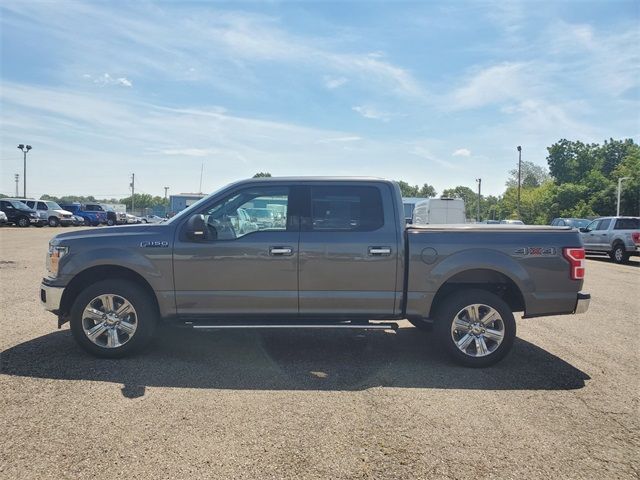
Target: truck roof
[(475, 227), (318, 179)]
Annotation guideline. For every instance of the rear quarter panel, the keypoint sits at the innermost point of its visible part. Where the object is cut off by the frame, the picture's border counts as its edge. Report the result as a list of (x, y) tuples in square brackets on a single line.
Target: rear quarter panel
[(543, 279)]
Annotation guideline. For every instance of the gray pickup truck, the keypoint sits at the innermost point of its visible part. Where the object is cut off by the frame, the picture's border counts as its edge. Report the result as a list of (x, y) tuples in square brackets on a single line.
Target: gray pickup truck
[(337, 255), (617, 236)]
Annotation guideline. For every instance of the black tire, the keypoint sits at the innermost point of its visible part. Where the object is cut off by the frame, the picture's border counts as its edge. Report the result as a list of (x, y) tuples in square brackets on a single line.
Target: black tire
[(110, 222), (452, 305), (23, 222), (146, 316), (421, 324), (619, 254), (54, 222)]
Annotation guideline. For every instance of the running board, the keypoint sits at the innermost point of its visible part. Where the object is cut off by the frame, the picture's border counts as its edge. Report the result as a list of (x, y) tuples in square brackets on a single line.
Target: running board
[(352, 326)]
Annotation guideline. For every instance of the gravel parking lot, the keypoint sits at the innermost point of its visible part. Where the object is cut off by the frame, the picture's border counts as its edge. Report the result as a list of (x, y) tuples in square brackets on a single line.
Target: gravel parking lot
[(295, 404)]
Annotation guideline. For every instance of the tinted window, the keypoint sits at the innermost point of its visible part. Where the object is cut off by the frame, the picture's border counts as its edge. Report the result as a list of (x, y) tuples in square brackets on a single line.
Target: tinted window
[(604, 224), (627, 224), (41, 206), (356, 209), (250, 210), (30, 203)]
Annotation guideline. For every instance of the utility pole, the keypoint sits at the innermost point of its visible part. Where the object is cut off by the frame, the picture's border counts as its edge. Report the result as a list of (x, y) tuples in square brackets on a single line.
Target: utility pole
[(620, 180), (479, 180), (201, 171), (165, 193), (25, 149), (17, 181), (133, 191), (519, 176)]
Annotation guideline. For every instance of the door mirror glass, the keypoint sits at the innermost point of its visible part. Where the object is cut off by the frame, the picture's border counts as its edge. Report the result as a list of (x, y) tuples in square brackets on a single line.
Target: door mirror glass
[(584, 230)]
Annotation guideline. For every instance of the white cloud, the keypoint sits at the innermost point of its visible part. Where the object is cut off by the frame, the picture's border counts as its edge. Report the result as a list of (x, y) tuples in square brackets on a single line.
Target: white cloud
[(372, 113), (334, 82), (495, 84), (462, 152), (352, 138), (106, 79)]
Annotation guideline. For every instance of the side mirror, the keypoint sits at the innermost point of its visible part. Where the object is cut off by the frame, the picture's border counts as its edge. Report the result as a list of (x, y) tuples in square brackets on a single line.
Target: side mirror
[(408, 221), (584, 229), (197, 228)]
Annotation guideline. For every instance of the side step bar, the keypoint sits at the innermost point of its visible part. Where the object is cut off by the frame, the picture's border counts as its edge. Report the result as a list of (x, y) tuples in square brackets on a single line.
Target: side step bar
[(352, 326)]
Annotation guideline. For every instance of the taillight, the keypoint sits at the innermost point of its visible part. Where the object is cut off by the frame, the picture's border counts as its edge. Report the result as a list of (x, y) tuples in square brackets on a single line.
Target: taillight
[(636, 237), (576, 259)]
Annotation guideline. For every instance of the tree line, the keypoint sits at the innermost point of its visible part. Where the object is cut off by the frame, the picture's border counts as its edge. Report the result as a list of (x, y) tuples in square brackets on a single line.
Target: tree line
[(581, 181)]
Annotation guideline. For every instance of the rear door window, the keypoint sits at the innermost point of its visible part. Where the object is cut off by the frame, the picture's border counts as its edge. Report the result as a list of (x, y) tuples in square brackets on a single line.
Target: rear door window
[(337, 208), (627, 224)]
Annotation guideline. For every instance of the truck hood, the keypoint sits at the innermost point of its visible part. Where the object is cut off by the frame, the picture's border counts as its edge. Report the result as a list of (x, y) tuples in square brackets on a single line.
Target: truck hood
[(116, 231)]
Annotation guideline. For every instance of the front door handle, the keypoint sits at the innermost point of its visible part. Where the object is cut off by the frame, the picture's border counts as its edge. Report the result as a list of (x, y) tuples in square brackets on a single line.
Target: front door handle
[(281, 251), (380, 251)]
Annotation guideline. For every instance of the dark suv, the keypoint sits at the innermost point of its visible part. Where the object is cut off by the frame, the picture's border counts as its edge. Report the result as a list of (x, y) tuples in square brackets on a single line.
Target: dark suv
[(19, 214)]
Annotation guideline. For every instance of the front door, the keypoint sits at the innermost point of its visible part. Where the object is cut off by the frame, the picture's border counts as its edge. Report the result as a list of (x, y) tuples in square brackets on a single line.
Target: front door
[(244, 267), (348, 252)]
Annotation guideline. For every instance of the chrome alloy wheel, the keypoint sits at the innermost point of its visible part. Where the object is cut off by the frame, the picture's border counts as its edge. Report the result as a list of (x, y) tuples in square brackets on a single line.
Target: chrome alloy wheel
[(477, 330), (109, 320)]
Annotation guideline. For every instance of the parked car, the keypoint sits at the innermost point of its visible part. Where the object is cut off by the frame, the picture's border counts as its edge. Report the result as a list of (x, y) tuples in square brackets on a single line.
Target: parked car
[(3, 218), (51, 211), (617, 236), (511, 222), (19, 214), (432, 211), (132, 219), (151, 219), (107, 216), (570, 222), (91, 217), (77, 220), (344, 259)]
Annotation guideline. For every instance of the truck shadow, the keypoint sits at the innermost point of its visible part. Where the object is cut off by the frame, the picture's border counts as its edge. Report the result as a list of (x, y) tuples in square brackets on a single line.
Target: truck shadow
[(289, 360)]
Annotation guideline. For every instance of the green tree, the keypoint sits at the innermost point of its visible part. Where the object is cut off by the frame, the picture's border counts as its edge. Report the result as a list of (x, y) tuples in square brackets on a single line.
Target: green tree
[(570, 162), (531, 175), (426, 191), (262, 175)]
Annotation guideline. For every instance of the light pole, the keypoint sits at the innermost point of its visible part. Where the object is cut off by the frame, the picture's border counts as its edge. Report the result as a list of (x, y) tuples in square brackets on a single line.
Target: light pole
[(25, 149), (17, 181), (620, 180), (165, 193), (519, 176), (479, 180), (133, 191)]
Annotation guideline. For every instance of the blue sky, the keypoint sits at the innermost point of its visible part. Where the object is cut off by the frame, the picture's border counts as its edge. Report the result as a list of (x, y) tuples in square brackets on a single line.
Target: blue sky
[(437, 92)]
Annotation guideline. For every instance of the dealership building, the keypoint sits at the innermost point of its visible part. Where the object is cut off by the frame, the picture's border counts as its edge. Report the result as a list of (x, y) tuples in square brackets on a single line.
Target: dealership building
[(179, 202)]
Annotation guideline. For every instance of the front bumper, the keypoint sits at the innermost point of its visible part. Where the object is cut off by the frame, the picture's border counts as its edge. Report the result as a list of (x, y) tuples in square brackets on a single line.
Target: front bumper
[(582, 305), (50, 297), (66, 221)]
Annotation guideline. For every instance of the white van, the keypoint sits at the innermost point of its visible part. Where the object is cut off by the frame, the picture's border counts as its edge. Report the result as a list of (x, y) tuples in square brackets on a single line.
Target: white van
[(439, 211)]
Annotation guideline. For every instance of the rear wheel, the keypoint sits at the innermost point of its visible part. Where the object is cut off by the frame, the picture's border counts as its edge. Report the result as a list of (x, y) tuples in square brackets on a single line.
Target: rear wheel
[(476, 327), (619, 254), (54, 222), (113, 318)]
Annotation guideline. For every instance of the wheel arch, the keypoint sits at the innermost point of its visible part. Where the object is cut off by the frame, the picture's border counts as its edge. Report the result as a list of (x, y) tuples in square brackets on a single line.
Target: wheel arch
[(486, 279), (98, 273)]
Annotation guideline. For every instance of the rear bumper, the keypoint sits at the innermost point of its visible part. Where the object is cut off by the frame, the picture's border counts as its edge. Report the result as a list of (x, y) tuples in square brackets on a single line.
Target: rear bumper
[(50, 297), (582, 304)]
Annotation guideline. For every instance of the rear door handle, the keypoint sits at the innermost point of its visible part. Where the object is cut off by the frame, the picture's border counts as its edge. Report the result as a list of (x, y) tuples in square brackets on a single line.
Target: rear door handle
[(380, 251), (281, 251)]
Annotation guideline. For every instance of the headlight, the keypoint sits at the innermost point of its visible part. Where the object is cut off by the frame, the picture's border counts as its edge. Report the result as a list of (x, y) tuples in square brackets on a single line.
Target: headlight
[(33, 215), (56, 252)]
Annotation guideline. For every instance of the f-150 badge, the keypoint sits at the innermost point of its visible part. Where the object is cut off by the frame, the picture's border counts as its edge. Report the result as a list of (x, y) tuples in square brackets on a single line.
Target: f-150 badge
[(154, 244)]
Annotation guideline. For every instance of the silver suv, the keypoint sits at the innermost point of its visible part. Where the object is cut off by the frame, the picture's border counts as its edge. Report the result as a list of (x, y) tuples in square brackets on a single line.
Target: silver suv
[(53, 212)]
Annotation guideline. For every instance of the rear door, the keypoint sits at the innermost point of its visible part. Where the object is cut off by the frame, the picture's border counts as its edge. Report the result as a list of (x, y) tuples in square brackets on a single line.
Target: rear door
[(348, 250)]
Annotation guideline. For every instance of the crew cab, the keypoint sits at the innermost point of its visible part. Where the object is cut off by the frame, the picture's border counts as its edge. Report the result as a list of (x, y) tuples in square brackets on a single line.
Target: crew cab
[(617, 236), (341, 258)]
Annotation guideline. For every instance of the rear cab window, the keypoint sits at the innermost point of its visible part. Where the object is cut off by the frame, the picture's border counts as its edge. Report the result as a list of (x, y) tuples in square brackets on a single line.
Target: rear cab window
[(627, 224), (346, 209)]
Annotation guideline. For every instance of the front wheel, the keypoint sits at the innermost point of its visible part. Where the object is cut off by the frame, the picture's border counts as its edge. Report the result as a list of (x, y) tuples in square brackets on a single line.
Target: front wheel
[(54, 222), (23, 222), (113, 318), (476, 327), (619, 254)]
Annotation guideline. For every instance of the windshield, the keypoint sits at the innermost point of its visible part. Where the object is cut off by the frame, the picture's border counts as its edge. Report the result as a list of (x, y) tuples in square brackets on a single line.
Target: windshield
[(194, 206), (53, 206), (580, 222)]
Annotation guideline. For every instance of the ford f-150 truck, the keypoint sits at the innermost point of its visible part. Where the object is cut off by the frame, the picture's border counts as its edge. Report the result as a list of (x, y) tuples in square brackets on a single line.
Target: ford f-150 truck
[(341, 258)]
